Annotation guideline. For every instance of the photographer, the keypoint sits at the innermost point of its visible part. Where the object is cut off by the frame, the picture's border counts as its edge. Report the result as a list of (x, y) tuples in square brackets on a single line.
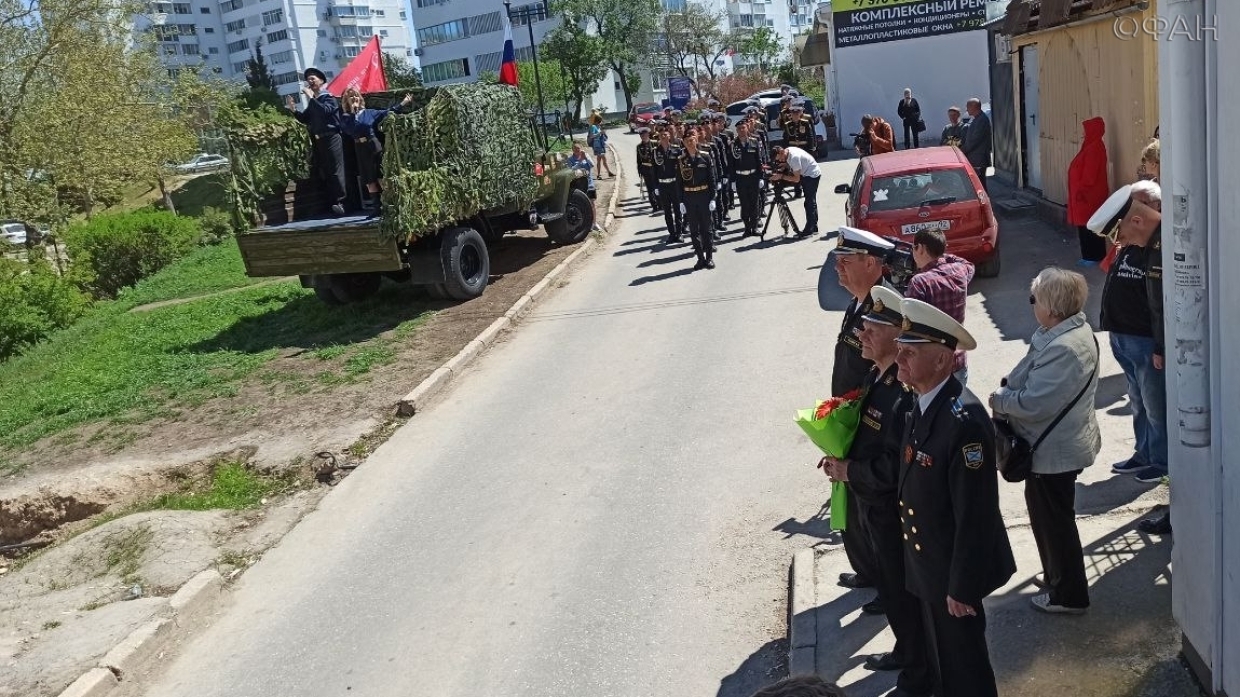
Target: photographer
[(942, 280), (876, 132), (799, 167)]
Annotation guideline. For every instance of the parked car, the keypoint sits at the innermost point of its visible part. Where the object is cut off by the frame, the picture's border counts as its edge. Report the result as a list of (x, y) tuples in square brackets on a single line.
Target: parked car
[(642, 114), (13, 232), (897, 194), (774, 133), (202, 162)]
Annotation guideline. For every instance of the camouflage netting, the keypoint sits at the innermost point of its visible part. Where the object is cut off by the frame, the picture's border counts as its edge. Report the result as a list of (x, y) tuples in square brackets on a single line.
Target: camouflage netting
[(470, 150), (265, 157)]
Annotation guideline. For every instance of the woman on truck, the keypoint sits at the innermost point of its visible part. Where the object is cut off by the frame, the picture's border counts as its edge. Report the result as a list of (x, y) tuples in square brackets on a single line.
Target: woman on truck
[(359, 123)]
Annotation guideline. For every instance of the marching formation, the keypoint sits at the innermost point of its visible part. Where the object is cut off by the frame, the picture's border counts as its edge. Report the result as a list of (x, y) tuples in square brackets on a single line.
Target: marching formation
[(696, 172)]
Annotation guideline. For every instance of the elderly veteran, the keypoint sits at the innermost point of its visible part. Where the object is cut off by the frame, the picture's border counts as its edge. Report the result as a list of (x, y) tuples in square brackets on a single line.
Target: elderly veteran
[(1048, 399), (956, 549), (859, 256), (872, 470)]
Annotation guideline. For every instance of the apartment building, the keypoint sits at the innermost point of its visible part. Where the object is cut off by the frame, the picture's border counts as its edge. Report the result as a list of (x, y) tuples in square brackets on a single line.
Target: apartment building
[(294, 34)]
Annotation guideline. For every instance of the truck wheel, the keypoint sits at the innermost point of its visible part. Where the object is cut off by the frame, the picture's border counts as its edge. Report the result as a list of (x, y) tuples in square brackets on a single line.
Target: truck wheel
[(991, 268), (577, 222), (327, 294), (466, 263), (354, 287)]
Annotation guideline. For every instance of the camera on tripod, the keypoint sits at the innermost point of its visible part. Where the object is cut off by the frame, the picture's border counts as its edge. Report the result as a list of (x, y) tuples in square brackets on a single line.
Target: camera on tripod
[(900, 265)]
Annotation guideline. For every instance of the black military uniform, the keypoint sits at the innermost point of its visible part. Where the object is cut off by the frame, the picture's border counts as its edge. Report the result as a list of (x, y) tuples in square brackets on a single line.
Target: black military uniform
[(955, 542), (723, 164), (750, 157), (645, 169), (666, 180), (322, 119), (697, 186), (847, 374), (873, 473), (729, 146)]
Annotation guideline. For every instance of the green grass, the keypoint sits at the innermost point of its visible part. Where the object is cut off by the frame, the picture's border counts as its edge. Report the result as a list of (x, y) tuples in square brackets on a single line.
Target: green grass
[(206, 270), (131, 367), (233, 487)]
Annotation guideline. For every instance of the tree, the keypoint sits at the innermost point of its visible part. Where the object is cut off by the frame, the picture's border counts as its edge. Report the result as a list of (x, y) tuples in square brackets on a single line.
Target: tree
[(262, 86), (583, 59), (400, 73), (625, 30), (762, 45), (692, 40), (65, 144)]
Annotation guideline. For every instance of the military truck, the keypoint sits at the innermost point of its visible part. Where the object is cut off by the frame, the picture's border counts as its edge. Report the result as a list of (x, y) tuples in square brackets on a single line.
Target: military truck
[(461, 170)]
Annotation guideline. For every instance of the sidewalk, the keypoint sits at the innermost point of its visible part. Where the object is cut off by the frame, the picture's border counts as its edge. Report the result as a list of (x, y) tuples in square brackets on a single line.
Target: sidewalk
[(1127, 645)]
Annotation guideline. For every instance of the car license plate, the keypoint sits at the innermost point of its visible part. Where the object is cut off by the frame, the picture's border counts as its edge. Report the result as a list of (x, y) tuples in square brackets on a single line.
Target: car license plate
[(914, 228)]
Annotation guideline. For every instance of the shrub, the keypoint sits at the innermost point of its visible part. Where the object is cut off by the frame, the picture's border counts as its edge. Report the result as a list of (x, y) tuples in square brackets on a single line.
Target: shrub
[(34, 302), (217, 226), (111, 252)]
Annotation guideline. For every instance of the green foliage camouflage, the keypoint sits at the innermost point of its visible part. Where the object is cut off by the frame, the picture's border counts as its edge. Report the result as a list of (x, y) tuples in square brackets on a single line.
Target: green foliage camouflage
[(471, 149), (267, 149)]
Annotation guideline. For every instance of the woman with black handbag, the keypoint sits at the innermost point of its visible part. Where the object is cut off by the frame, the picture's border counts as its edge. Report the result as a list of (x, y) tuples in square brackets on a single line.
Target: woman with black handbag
[(1048, 401)]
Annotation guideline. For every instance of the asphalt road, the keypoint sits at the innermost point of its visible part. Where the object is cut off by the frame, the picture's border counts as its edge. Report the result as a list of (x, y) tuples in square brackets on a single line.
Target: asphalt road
[(605, 506)]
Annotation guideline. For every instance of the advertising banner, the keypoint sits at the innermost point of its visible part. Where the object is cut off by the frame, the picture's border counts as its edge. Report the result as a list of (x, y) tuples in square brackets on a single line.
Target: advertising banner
[(859, 22), (679, 91)]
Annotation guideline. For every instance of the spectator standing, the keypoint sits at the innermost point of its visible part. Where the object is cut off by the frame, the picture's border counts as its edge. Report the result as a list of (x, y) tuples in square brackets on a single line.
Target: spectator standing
[(882, 137), (1132, 310), (1088, 187), (598, 142), (909, 112), (953, 132), (1151, 162), (976, 142), (1059, 372), (942, 280)]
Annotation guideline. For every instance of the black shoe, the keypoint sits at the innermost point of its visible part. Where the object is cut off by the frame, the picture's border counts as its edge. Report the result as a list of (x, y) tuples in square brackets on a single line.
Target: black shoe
[(1160, 525), (874, 607), (701, 264), (710, 263), (849, 580), (672, 240), (338, 209), (882, 661), (901, 692)]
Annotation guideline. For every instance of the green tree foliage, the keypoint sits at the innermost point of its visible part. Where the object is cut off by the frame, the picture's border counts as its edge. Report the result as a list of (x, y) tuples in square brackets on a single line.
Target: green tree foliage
[(114, 251), (400, 73), (583, 58), (257, 74), (691, 41), (761, 45), (625, 29), (34, 302), (85, 110)]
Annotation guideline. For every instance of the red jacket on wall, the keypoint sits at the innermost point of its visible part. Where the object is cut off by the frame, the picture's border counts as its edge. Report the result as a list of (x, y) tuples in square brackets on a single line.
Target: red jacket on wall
[(1088, 187)]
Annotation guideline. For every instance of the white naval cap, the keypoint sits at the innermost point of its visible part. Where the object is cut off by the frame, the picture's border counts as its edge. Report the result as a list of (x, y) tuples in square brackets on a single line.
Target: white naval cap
[(886, 309), (852, 240), (924, 323), (1105, 221)]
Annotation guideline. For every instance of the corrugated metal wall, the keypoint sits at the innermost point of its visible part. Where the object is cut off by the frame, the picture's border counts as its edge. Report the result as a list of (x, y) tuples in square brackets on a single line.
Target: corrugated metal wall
[(1087, 71)]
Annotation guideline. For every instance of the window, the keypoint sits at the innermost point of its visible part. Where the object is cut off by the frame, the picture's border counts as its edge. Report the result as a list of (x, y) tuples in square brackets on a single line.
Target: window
[(273, 17), (429, 3), (346, 32), (351, 11), (187, 29), (378, 13), (288, 78), (190, 50), (241, 45), (447, 70), (231, 5), (383, 32), (770, 22), (279, 35), (441, 33), (403, 15), (208, 30), (484, 24), (911, 190), (213, 51), (537, 13), (204, 10), (174, 72), (235, 26), (239, 67), (351, 51), (182, 8), (280, 57)]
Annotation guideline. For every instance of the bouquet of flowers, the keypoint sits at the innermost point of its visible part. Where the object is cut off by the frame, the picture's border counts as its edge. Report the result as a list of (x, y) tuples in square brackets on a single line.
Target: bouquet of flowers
[(831, 425)]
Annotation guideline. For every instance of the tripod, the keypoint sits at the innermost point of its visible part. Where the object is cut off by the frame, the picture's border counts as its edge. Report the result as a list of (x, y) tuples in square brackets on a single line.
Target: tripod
[(780, 204)]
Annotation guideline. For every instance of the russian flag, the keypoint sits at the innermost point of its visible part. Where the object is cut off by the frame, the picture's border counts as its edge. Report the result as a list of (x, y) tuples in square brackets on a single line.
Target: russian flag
[(508, 69)]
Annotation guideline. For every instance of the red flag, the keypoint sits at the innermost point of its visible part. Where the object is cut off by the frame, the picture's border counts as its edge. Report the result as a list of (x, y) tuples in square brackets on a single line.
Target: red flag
[(508, 69), (364, 73)]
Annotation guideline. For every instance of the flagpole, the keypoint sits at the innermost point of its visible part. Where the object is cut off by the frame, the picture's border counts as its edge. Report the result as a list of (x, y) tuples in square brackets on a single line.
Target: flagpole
[(529, 14)]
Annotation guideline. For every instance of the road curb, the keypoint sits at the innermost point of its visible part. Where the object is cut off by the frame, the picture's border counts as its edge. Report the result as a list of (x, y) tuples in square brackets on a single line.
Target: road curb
[(802, 618), (420, 397), (135, 652)]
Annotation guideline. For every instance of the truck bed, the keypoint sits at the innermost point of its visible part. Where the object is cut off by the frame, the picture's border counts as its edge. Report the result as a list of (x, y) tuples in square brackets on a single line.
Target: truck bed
[(347, 244)]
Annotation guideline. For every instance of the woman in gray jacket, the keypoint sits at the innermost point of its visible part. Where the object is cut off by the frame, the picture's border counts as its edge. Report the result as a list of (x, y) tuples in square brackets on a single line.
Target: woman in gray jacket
[(1062, 359)]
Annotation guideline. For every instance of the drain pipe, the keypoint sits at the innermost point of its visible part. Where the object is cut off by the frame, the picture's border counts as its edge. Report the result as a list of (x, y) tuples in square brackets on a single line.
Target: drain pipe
[(1184, 254)]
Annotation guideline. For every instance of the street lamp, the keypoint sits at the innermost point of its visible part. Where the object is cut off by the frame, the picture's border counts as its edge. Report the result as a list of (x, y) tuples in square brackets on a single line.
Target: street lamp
[(529, 13)]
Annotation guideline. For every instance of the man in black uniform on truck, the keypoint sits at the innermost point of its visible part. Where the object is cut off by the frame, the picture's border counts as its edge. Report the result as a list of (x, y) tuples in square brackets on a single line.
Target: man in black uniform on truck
[(956, 549), (872, 471), (697, 186), (322, 118)]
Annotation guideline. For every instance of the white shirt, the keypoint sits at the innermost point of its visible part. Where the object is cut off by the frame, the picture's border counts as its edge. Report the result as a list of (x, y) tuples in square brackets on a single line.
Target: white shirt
[(924, 401), (802, 163)]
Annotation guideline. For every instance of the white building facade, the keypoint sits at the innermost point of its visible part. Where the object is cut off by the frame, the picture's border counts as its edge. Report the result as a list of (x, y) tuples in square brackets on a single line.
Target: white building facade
[(294, 35)]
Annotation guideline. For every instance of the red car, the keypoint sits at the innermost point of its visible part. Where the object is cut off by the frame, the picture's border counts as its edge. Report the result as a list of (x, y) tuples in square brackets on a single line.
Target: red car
[(642, 114), (897, 194)]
